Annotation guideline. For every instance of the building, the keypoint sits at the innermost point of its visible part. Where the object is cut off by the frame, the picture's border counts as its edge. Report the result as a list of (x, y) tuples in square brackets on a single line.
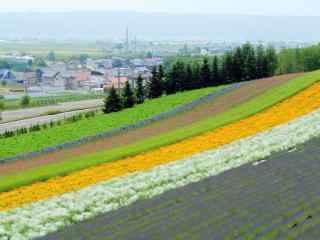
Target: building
[(7, 75), (143, 71), (153, 61), (99, 64), (122, 72), (94, 80), (52, 78), (137, 62), (117, 82)]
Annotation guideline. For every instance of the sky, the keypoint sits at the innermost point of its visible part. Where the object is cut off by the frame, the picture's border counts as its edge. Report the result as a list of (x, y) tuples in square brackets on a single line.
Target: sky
[(259, 7)]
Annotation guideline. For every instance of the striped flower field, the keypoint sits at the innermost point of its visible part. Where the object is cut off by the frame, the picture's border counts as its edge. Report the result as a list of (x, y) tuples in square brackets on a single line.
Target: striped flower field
[(47, 216), (44, 207), (298, 105)]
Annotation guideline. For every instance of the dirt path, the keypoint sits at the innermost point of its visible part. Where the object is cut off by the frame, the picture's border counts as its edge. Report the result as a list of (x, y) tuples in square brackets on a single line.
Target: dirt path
[(223, 103)]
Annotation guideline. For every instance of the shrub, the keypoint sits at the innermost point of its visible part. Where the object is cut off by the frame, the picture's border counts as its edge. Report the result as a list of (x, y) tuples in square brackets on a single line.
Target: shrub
[(25, 101)]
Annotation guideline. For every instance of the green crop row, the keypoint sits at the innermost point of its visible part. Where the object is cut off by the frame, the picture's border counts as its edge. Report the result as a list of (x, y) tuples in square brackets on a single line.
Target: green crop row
[(88, 127), (247, 109)]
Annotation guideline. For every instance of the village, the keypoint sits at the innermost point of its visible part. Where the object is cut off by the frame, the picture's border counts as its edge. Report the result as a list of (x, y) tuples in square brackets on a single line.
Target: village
[(93, 75)]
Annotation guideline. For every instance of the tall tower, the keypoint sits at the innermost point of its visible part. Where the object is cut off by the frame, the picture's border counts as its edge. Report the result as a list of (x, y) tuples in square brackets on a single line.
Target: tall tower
[(127, 39), (135, 44)]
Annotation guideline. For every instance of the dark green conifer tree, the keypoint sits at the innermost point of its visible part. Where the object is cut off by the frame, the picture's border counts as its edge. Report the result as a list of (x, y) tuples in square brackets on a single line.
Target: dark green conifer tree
[(215, 75), (260, 62), (171, 80), (196, 76), (237, 65), (249, 62), (205, 74), (272, 61), (140, 91), (112, 102), (155, 85), (189, 78), (128, 98), (227, 69)]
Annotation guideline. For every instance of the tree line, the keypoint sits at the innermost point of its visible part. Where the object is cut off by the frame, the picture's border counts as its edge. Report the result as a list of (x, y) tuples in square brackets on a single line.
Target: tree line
[(245, 63), (129, 97), (299, 59)]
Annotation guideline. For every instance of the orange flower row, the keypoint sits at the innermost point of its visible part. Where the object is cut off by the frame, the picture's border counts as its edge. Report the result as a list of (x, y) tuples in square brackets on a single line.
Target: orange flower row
[(298, 105)]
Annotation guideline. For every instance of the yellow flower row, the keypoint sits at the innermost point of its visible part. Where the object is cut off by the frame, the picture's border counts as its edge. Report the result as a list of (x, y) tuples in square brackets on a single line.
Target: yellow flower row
[(298, 105)]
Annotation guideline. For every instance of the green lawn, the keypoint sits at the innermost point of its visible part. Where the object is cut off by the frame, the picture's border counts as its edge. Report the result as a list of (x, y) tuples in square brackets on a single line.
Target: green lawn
[(247, 109), (36, 141)]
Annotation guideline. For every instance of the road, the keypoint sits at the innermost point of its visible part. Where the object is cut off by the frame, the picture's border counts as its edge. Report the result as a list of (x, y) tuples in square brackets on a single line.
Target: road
[(8, 116), (12, 120)]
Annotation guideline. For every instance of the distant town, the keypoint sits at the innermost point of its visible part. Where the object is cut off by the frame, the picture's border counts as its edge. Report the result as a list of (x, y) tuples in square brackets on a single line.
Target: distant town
[(126, 60)]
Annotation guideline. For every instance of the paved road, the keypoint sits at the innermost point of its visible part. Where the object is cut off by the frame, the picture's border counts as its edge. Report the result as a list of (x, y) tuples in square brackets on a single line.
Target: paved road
[(11, 126), (34, 116), (38, 111), (277, 199)]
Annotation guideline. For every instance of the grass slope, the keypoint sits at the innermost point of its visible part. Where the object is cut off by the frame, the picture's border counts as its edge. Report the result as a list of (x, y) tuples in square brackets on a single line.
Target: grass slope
[(260, 103), (36, 141)]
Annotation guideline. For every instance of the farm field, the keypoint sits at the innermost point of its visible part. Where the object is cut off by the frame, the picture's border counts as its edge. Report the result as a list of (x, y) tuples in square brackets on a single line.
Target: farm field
[(296, 106), (197, 113), (278, 199), (63, 51), (87, 127), (106, 196), (242, 145)]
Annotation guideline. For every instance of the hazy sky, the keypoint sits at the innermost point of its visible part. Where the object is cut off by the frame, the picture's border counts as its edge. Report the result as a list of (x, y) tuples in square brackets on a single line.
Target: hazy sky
[(264, 7)]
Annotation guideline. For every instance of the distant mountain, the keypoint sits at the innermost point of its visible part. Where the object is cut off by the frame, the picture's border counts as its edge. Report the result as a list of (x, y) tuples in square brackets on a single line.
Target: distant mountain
[(102, 25)]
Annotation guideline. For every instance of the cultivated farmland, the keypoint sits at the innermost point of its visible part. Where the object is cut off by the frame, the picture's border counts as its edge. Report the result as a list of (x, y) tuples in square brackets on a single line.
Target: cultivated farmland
[(278, 199), (70, 132), (294, 107), (221, 169), (197, 113)]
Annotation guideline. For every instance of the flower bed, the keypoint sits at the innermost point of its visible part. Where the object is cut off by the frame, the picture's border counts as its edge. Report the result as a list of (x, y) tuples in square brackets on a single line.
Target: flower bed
[(43, 217), (298, 105)]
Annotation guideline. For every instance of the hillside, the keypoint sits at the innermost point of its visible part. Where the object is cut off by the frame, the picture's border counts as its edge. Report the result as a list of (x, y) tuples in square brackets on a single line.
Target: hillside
[(249, 154)]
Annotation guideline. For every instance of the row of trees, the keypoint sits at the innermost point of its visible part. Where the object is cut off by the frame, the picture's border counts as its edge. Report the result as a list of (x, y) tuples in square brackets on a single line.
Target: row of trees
[(243, 64), (116, 102), (299, 59), (154, 88)]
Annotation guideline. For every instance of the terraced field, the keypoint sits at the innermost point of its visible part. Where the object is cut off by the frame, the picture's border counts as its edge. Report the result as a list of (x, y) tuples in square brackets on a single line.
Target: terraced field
[(277, 199)]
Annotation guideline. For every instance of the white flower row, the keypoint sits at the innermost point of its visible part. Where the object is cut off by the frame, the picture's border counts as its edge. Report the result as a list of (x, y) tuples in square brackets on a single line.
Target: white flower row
[(43, 217)]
